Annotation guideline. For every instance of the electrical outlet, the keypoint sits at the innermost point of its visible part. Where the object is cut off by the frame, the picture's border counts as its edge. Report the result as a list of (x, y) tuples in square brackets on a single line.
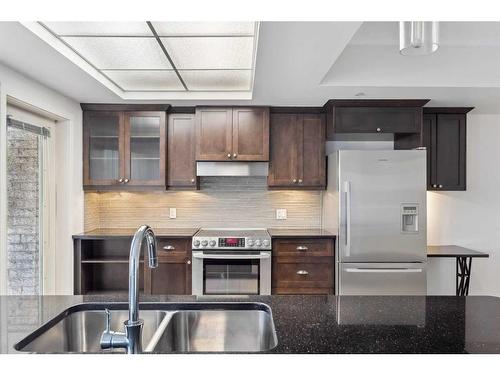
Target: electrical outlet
[(172, 213), (281, 214)]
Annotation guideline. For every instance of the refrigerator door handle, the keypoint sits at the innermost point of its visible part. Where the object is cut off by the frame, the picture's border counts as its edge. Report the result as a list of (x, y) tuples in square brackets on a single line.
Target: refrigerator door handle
[(347, 190), (384, 270)]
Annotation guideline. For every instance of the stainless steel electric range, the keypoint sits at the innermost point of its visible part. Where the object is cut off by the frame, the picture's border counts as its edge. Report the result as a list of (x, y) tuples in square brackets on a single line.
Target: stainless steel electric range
[(231, 262)]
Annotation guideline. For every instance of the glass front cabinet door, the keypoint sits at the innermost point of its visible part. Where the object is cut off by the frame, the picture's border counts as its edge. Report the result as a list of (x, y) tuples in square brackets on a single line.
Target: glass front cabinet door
[(103, 149), (123, 149), (145, 151)]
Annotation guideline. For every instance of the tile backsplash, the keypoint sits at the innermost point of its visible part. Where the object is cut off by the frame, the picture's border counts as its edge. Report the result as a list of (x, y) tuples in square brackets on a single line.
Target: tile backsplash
[(221, 202)]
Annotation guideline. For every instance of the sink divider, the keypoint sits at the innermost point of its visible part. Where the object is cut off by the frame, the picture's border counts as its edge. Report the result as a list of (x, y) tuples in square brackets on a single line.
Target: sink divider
[(159, 332)]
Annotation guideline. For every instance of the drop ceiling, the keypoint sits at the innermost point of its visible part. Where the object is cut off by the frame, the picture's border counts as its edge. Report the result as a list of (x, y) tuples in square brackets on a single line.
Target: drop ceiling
[(298, 64), (147, 59)]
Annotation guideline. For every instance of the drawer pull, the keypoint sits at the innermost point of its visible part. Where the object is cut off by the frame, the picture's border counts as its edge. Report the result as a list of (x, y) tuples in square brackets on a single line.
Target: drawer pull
[(168, 247), (302, 248), (302, 272)]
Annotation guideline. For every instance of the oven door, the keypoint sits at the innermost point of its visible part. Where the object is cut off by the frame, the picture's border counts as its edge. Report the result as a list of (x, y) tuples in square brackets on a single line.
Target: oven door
[(231, 272)]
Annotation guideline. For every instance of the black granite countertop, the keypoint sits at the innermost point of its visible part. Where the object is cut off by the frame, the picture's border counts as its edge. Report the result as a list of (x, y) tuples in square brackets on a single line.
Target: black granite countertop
[(189, 232), (300, 233), (129, 232), (319, 324)]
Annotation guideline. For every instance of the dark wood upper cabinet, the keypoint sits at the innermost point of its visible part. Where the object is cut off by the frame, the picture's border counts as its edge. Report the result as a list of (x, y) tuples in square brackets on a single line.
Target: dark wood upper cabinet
[(297, 144), (232, 134), (103, 149), (251, 134), (181, 163), (444, 136), (284, 138), (145, 148), (123, 149), (374, 116), (214, 133), (313, 173)]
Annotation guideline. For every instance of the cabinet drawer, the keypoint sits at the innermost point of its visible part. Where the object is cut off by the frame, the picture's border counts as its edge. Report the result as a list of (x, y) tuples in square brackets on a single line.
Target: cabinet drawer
[(304, 274), (303, 247), (173, 247)]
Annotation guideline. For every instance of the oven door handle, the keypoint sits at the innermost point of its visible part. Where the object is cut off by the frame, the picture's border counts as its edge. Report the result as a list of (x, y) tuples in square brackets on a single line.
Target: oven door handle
[(262, 255)]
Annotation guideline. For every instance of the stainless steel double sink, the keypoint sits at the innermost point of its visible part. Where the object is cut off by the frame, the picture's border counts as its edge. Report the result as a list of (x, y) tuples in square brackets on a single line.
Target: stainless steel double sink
[(168, 328)]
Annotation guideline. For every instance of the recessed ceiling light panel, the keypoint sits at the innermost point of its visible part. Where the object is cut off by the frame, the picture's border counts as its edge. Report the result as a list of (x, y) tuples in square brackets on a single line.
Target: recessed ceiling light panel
[(218, 80), (120, 53), (145, 80), (204, 28), (133, 59), (99, 28), (210, 52)]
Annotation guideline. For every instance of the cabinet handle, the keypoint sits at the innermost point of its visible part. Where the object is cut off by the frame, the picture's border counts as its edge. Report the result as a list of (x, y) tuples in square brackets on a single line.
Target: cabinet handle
[(229, 156), (294, 180), (379, 130), (126, 180), (168, 247), (302, 248), (188, 262), (193, 180), (302, 272), (235, 155), (120, 180), (300, 180), (434, 186), (440, 186)]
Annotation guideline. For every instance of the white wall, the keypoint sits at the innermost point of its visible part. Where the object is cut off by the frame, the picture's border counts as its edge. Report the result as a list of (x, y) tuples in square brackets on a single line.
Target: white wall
[(68, 154), (470, 218)]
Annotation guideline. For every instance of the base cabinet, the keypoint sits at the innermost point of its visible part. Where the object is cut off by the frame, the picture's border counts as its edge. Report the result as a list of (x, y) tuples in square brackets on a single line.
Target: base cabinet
[(303, 266), (173, 274), (101, 267), (170, 277)]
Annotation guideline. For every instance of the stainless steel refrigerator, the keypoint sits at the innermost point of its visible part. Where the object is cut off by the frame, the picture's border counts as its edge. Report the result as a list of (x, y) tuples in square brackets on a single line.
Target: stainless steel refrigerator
[(376, 200)]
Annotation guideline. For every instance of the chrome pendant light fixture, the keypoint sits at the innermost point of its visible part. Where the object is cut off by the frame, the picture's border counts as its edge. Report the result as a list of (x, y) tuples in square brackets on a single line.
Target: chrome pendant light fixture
[(418, 37)]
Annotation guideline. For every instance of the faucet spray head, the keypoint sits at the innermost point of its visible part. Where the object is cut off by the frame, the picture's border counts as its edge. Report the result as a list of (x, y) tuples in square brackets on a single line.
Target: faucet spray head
[(153, 259)]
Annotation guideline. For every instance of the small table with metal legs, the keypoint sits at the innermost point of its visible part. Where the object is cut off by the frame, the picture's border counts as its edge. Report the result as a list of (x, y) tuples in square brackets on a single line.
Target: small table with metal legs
[(463, 263)]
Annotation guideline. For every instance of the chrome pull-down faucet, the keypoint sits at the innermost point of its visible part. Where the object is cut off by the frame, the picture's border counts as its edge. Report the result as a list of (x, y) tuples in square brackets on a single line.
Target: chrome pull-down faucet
[(131, 339)]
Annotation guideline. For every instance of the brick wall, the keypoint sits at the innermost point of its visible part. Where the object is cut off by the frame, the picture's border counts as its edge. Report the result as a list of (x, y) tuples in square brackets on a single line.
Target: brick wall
[(23, 215)]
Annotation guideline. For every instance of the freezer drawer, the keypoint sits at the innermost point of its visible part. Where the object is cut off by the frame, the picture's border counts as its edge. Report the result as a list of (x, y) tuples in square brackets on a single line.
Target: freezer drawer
[(382, 279), (355, 310)]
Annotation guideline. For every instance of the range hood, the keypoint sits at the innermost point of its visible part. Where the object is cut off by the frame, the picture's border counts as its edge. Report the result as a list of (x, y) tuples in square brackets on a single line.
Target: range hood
[(231, 168)]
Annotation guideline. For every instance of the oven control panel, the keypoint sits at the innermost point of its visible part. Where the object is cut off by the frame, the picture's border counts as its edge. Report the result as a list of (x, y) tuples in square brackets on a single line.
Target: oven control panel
[(231, 243)]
